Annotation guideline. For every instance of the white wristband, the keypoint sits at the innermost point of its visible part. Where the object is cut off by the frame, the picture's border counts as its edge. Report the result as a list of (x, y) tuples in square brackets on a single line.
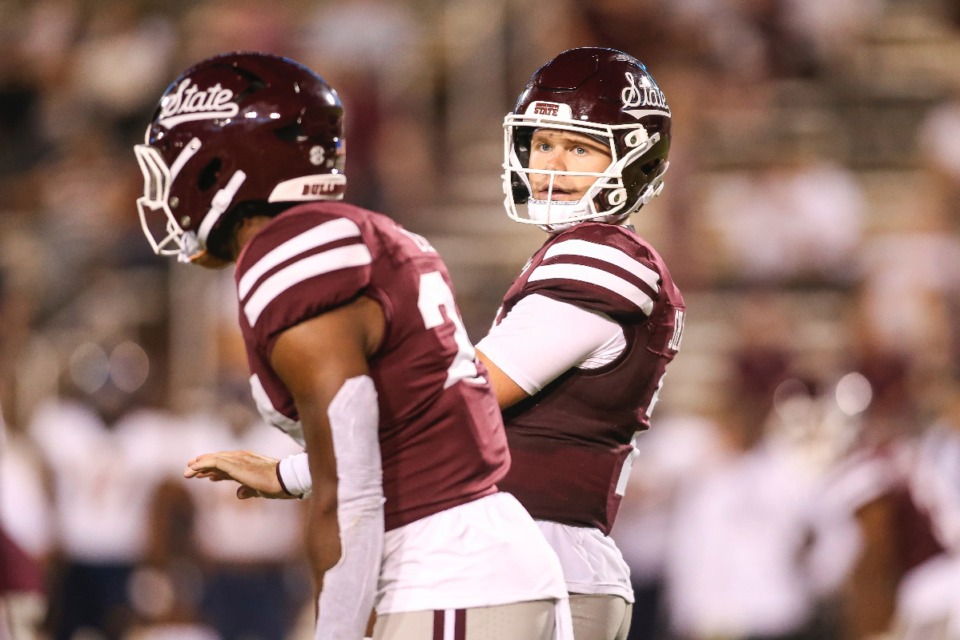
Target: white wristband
[(294, 474)]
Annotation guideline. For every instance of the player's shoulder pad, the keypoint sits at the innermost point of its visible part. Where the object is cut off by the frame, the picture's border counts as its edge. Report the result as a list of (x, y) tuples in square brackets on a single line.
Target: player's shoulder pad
[(304, 262), (600, 267)]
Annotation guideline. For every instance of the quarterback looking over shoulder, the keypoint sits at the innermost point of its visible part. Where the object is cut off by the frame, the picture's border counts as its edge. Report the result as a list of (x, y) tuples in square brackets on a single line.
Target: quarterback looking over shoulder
[(582, 340)]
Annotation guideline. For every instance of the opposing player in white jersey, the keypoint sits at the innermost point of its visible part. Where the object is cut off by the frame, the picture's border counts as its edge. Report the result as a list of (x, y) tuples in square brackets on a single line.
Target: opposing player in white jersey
[(580, 345), (357, 350)]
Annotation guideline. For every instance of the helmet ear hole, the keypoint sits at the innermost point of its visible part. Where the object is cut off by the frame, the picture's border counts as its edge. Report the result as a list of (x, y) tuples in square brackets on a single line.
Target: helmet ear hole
[(209, 174), (651, 167), (521, 192)]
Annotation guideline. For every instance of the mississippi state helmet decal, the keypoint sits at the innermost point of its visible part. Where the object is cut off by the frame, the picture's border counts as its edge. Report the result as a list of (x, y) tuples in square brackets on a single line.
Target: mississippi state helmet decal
[(609, 96), (236, 128)]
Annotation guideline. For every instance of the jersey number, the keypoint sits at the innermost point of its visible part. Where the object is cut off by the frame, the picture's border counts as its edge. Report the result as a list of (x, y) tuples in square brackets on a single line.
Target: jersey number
[(673, 345), (434, 295)]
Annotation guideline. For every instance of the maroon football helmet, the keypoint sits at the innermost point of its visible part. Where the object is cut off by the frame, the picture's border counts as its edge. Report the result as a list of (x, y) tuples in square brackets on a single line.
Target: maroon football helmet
[(235, 129), (607, 95)]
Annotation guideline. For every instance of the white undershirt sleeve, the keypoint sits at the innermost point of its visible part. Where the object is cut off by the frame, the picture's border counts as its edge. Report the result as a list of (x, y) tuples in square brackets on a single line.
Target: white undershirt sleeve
[(541, 338), (349, 588)]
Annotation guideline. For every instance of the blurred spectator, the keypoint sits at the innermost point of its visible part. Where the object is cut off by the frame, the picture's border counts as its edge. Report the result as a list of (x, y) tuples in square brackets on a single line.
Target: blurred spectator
[(124, 54), (761, 360), (933, 245), (797, 218), (825, 28), (928, 597), (23, 538), (924, 281), (928, 602), (895, 534), (22, 597), (216, 26), (250, 550), (938, 139), (19, 134), (673, 454), (106, 454), (935, 469), (24, 525), (24, 505), (375, 53), (755, 549)]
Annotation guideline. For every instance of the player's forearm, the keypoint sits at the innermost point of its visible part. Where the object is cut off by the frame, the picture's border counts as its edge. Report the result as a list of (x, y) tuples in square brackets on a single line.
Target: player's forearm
[(323, 540), (348, 586), (354, 499)]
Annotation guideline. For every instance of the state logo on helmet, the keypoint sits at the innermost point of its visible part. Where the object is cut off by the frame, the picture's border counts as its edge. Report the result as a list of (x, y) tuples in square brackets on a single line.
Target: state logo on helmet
[(602, 93), (235, 129)]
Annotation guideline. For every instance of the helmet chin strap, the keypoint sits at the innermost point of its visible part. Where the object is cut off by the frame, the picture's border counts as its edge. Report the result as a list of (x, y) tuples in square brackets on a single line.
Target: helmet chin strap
[(572, 212), (542, 212), (219, 205)]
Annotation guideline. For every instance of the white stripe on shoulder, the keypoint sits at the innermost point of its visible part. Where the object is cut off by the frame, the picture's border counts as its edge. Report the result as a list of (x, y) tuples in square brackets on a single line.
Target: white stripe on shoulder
[(606, 254), (352, 255), (594, 276), (322, 234)]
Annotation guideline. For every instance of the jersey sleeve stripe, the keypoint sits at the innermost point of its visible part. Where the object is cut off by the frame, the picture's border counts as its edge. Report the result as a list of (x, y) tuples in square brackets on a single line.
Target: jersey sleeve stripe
[(322, 234), (597, 277), (605, 254), (351, 255)]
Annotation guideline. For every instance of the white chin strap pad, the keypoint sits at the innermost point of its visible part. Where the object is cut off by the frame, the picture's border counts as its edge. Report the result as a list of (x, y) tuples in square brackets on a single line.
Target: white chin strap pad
[(349, 587)]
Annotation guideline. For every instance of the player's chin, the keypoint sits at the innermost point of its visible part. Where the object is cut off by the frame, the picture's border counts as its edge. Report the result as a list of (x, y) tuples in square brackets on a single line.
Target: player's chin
[(208, 261)]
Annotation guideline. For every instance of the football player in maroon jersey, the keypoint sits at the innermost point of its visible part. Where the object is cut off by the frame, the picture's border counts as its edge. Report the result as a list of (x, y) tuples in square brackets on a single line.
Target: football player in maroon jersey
[(356, 349), (579, 348)]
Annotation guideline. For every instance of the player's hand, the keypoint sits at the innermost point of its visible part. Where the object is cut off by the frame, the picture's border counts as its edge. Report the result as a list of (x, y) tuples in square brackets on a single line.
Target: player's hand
[(257, 474)]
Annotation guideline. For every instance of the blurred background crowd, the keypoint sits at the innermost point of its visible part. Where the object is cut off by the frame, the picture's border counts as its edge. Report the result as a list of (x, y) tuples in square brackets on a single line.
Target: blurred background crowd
[(802, 478)]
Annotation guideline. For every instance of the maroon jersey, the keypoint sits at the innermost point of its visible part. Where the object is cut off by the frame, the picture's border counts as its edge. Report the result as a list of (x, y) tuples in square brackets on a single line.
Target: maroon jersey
[(571, 441), (441, 435)]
